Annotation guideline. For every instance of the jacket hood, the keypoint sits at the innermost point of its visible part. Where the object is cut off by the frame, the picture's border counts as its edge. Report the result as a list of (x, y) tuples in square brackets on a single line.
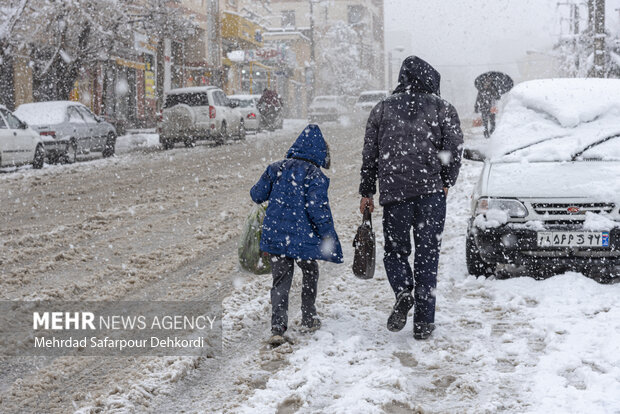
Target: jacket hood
[(310, 145), (416, 75)]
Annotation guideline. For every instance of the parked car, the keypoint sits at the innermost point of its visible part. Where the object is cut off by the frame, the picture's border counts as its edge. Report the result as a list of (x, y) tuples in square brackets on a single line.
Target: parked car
[(198, 113), (19, 144), (247, 105), (548, 197), (367, 100), (327, 108), (72, 125)]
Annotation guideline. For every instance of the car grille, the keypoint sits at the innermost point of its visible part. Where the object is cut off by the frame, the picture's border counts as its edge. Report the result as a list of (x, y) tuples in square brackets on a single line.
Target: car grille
[(564, 209)]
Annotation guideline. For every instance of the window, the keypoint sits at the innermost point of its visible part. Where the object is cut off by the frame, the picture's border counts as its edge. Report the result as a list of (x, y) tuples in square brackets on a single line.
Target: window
[(288, 18), (219, 98), (12, 120), (74, 115), (88, 117), (2, 123), (356, 13), (190, 99)]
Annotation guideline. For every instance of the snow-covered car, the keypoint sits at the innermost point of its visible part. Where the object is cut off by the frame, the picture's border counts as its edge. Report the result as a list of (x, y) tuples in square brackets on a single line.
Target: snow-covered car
[(19, 144), (327, 108), (72, 125), (367, 100), (247, 106), (548, 197), (198, 113)]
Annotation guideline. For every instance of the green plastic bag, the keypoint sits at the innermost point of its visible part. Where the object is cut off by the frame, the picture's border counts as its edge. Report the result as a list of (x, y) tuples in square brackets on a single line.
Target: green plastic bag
[(250, 256)]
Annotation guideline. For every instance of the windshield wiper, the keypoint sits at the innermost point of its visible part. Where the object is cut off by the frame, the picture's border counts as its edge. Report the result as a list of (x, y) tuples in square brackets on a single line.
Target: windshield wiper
[(594, 144), (533, 143)]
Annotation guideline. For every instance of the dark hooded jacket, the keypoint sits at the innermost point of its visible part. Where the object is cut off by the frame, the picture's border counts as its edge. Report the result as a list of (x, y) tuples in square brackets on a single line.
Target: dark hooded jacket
[(413, 142), (298, 222)]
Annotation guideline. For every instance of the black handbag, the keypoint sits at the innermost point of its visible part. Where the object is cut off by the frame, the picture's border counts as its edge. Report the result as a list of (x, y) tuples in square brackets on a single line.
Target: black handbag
[(365, 248)]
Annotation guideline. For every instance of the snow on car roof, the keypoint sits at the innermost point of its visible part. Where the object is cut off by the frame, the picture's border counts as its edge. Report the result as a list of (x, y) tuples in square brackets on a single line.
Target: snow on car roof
[(377, 92), (244, 97), (570, 101), (193, 89), (44, 113), (554, 118)]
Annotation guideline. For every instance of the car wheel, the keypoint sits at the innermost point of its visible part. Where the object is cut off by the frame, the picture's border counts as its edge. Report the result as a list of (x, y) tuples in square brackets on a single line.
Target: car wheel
[(475, 265), (110, 146), (223, 135), (70, 153), (39, 157), (242, 131), (167, 143)]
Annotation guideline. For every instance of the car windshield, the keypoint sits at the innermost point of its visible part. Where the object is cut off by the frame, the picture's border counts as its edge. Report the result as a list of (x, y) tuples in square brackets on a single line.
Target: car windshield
[(190, 99), (563, 148), (243, 103), (324, 101), (375, 97)]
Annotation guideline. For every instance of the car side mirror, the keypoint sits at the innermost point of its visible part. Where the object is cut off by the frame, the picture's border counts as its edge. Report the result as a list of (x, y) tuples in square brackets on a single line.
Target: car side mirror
[(23, 125), (473, 154)]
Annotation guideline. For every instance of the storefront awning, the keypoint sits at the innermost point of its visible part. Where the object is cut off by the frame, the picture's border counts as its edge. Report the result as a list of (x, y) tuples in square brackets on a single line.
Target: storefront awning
[(243, 32)]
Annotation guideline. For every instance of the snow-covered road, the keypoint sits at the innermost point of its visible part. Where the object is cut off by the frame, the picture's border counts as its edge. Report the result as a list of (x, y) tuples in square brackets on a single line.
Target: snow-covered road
[(164, 225)]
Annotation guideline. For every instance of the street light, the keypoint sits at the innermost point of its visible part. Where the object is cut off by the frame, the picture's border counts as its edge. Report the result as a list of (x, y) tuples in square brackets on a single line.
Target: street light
[(396, 49)]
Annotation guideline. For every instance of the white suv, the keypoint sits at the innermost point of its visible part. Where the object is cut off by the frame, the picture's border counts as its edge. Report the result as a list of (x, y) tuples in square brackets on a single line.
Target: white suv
[(192, 114), (548, 197)]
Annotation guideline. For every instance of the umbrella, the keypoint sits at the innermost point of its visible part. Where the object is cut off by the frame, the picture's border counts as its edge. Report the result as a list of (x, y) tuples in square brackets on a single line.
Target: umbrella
[(499, 81)]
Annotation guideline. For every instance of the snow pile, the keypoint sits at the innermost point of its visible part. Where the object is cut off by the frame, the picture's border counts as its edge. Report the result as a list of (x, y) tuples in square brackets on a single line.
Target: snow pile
[(43, 113), (569, 114), (134, 141), (570, 101), (491, 219), (599, 222)]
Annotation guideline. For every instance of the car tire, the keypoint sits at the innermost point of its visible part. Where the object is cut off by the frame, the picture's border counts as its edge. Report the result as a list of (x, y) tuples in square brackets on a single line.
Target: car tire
[(223, 135), (39, 157), (70, 153), (166, 143), (190, 142), (242, 131), (110, 146), (475, 265)]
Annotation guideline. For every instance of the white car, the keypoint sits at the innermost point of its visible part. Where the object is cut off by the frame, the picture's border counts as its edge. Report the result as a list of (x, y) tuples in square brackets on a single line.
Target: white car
[(367, 100), (198, 113), (548, 197), (248, 108), (327, 108), (19, 145)]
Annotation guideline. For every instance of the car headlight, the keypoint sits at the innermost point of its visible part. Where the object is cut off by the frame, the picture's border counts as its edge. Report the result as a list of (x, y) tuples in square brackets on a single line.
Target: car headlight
[(513, 208)]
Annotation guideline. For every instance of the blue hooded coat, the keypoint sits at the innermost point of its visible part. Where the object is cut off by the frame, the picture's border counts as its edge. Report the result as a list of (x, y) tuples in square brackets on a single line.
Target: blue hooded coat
[(298, 222)]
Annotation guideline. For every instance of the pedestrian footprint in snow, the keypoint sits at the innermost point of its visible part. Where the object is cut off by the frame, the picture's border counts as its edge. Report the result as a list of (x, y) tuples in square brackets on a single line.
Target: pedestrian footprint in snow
[(413, 145), (298, 226)]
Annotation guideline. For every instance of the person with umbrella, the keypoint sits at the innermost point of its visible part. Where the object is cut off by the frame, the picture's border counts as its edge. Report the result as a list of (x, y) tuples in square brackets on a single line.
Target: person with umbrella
[(491, 86)]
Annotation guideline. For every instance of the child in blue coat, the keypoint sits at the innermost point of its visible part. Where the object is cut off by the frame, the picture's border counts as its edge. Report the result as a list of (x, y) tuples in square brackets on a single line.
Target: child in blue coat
[(298, 226)]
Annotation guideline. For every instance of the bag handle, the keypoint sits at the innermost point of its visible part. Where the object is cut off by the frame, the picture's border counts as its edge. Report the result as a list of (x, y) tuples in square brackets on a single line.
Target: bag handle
[(367, 216)]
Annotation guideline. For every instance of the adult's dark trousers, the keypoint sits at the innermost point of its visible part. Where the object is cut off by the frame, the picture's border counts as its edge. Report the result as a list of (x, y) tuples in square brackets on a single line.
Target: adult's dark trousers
[(426, 215), (282, 269), (488, 121)]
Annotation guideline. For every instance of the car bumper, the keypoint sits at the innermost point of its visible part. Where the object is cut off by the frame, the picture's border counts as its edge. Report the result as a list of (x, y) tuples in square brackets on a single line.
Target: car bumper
[(511, 244), (55, 147), (315, 117), (251, 124), (180, 136)]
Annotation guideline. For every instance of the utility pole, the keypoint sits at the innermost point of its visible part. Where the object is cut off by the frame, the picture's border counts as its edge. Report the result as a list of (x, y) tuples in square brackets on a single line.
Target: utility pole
[(312, 52), (599, 38)]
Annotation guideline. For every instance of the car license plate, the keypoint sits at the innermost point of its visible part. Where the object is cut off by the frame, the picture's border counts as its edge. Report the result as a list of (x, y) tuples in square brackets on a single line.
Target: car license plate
[(573, 239)]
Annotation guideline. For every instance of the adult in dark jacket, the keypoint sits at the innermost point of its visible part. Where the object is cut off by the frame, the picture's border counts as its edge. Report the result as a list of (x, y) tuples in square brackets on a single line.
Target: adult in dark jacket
[(485, 101), (298, 225), (413, 146)]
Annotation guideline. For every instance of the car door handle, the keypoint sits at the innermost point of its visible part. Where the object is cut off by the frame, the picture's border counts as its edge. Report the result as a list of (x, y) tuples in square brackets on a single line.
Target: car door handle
[(14, 133)]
